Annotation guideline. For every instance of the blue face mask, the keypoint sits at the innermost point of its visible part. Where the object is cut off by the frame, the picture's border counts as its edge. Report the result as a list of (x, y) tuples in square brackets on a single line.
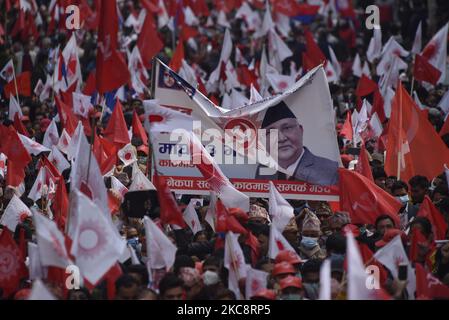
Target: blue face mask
[(309, 242)]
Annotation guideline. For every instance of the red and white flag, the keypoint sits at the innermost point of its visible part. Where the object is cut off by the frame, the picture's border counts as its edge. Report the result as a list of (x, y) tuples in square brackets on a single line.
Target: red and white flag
[(117, 186), (51, 243), (428, 286), (58, 159), (96, 245), (254, 95), (161, 251), (141, 183), (375, 46), (14, 212), (256, 280), (277, 243), (64, 142), (32, 146), (51, 135), (218, 182), (234, 261), (46, 90), (38, 88), (14, 108), (7, 72), (436, 51), (73, 66), (81, 104), (211, 214), (128, 154), (280, 210), (2, 165), (191, 218), (280, 83), (163, 119), (35, 268), (41, 186)]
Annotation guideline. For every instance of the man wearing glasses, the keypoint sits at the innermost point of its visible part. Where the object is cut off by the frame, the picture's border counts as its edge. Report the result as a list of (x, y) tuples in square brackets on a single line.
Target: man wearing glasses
[(299, 162)]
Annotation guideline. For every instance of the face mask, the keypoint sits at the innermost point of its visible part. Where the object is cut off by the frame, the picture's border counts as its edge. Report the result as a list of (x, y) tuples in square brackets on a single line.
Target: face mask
[(403, 199), (291, 297), (309, 242), (210, 278)]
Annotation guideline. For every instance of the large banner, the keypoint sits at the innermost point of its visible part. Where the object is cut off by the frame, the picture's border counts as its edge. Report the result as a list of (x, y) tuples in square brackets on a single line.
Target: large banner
[(295, 131)]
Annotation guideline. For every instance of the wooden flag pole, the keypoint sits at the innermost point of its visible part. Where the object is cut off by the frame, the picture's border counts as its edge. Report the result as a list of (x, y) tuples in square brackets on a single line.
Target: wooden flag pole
[(400, 142)]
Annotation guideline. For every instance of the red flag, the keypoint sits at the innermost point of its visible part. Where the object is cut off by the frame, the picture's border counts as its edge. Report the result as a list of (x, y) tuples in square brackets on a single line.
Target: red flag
[(415, 142), (13, 147), (365, 86), (428, 210), (363, 166), (169, 210), (13, 268), (112, 71), (286, 7), (18, 125), (91, 84), (314, 53), (227, 222), (378, 106), (138, 129), (54, 172), (23, 85), (364, 200), (117, 131), (254, 244), (61, 205), (15, 174), (424, 71), (428, 286), (178, 55), (149, 43), (188, 32), (347, 130), (66, 116)]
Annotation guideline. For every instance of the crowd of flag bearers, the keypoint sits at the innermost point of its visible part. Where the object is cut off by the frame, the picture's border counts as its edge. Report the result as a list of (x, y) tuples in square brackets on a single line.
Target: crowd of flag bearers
[(85, 214)]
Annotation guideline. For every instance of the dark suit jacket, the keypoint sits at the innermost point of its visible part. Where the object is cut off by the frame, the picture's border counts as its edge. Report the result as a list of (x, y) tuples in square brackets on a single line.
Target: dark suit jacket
[(312, 169)]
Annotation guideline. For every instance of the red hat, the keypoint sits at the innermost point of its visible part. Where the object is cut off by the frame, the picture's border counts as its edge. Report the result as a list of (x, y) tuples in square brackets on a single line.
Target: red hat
[(241, 215), (44, 124), (283, 268), (289, 282), (389, 235), (265, 294), (288, 256)]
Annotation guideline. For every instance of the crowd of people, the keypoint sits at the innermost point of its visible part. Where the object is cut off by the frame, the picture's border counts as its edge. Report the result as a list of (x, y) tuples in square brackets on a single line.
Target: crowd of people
[(317, 233)]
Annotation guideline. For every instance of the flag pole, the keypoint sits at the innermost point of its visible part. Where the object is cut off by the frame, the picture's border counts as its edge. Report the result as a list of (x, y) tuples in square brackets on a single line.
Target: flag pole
[(400, 142), (92, 136), (151, 161), (413, 77), (15, 81)]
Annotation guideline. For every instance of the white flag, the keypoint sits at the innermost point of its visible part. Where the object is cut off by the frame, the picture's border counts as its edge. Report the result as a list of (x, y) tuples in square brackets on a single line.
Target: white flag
[(117, 186), (7, 72), (417, 43), (211, 214), (64, 142), (375, 46), (128, 154), (161, 251), (391, 256), (163, 119), (280, 210), (256, 280), (234, 261), (51, 242), (13, 212), (35, 267), (14, 108), (141, 183), (51, 135), (2, 165), (40, 292), (191, 218), (325, 280), (277, 243), (81, 104), (254, 95), (96, 245), (32, 146), (58, 159)]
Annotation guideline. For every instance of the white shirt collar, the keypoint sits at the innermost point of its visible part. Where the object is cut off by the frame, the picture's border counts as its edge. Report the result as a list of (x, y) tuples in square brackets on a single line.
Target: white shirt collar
[(291, 168)]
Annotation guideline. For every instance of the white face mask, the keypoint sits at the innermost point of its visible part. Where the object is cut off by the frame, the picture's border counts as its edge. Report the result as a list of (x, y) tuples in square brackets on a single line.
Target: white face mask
[(210, 278), (403, 199)]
